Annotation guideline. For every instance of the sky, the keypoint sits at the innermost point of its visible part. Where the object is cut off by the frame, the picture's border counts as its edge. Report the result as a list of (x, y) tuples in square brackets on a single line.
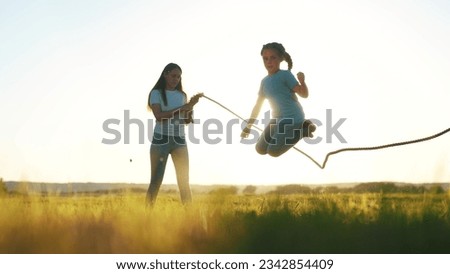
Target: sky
[(69, 67)]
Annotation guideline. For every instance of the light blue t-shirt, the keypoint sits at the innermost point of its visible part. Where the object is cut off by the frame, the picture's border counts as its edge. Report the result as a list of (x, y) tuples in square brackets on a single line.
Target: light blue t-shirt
[(175, 99), (277, 89)]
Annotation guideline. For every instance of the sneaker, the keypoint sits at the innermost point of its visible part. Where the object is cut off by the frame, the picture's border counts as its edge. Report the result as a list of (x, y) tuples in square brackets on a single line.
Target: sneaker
[(308, 128)]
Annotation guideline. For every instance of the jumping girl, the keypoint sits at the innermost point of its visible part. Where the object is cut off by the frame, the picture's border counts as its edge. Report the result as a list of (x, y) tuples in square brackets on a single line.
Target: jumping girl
[(169, 105), (279, 87)]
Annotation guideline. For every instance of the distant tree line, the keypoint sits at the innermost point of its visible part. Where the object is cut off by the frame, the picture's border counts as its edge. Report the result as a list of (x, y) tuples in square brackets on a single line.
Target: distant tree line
[(361, 188), (231, 190), (376, 187)]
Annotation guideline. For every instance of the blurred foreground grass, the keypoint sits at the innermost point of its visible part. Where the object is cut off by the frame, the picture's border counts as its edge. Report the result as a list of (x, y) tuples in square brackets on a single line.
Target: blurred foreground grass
[(220, 223)]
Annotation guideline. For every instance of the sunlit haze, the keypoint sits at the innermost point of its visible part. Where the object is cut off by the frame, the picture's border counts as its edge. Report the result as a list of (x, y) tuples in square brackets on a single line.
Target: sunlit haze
[(68, 66)]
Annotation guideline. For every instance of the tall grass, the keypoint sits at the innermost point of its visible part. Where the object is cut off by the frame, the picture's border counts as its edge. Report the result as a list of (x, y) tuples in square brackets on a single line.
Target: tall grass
[(221, 223)]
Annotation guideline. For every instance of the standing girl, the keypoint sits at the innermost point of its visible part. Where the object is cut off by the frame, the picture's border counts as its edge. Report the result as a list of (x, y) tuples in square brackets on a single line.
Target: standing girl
[(169, 104), (279, 87)]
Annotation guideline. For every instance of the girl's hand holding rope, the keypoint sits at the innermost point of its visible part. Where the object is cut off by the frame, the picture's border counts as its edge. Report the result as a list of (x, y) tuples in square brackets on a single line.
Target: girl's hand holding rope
[(192, 102), (194, 99), (246, 131)]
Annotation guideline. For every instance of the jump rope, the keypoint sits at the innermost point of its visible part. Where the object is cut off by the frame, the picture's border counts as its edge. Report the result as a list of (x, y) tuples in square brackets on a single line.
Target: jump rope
[(322, 166)]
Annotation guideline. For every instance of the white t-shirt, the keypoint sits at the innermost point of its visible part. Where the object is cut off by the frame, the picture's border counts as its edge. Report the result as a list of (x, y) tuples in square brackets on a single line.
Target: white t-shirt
[(175, 99)]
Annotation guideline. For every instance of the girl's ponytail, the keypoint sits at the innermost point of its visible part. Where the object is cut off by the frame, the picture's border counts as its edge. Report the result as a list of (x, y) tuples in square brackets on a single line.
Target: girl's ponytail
[(288, 59)]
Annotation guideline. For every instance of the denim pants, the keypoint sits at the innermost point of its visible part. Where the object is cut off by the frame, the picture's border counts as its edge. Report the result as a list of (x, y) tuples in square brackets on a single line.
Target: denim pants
[(279, 136), (163, 146)]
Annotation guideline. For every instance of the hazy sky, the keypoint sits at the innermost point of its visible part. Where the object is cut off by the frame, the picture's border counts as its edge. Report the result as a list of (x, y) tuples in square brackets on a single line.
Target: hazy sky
[(68, 66)]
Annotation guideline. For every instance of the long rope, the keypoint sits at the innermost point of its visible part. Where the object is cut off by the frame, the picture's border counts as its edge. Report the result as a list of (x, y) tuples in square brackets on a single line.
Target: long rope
[(322, 166)]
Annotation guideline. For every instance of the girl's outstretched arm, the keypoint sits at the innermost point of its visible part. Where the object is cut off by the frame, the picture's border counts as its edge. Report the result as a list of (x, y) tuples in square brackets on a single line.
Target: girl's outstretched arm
[(302, 89), (253, 116)]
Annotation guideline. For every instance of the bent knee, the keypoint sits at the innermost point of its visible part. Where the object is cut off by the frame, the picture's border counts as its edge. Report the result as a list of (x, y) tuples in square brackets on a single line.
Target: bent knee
[(275, 153), (260, 150)]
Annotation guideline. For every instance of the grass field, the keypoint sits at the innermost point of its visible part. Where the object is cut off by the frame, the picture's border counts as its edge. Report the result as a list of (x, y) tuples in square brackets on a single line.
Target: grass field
[(221, 223)]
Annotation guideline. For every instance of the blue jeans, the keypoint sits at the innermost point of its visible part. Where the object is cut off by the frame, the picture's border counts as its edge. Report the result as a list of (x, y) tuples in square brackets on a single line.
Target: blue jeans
[(279, 136), (162, 146)]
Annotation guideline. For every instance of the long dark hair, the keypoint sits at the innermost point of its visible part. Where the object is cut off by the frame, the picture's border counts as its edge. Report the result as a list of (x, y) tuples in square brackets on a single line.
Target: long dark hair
[(161, 83), (281, 52)]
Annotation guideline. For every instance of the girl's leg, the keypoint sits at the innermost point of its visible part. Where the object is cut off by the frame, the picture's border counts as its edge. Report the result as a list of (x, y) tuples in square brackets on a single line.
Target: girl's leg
[(285, 135), (180, 158), (158, 160), (266, 138)]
